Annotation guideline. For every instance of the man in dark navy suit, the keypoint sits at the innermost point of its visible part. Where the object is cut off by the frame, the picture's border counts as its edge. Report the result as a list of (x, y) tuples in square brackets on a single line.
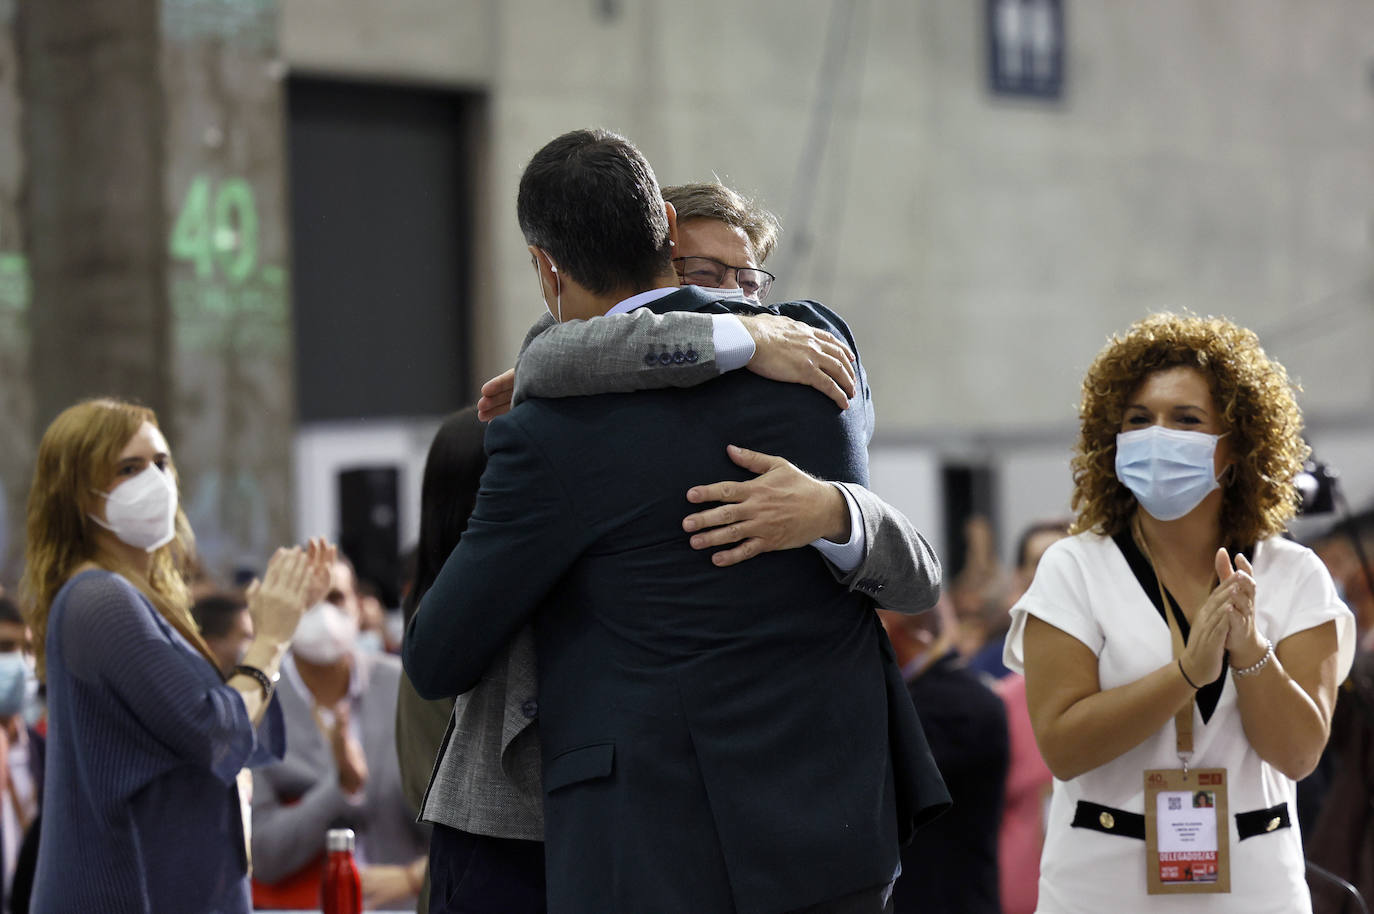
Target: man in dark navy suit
[(714, 739)]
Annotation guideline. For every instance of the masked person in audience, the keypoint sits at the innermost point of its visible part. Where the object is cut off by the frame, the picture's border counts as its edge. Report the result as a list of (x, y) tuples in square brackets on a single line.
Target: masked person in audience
[(1177, 606), (146, 737), (340, 768), (21, 745)]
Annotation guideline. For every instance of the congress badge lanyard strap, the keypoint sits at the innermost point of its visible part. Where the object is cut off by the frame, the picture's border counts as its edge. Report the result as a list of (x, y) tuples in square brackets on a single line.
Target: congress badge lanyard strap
[(1187, 838)]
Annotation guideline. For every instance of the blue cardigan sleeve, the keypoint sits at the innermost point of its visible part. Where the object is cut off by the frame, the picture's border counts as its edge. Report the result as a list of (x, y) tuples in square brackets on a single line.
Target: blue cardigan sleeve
[(112, 638)]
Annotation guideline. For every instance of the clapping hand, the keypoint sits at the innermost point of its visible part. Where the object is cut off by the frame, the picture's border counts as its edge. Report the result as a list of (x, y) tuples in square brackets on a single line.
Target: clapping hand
[(277, 602), (348, 753), (321, 556), (1243, 639), (1212, 625)]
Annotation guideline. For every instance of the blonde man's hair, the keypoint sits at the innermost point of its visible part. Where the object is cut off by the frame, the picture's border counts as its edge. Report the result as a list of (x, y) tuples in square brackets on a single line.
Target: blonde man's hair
[(77, 459), (713, 200), (1254, 399)]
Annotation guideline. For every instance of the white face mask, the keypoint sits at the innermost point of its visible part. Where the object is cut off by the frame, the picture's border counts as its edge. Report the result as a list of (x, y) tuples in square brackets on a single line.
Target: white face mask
[(556, 311), (726, 293), (325, 634), (1169, 471), (142, 511)]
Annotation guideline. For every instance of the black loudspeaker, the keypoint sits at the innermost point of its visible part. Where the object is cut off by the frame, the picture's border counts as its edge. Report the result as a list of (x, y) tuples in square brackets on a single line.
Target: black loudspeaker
[(368, 530)]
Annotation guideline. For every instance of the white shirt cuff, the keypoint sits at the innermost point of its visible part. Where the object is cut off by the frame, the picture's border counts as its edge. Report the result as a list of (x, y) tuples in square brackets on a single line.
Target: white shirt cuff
[(734, 345), (846, 556)]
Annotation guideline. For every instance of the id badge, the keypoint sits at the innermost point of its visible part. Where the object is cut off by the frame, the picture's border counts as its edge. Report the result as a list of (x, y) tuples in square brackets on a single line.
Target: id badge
[(1186, 831)]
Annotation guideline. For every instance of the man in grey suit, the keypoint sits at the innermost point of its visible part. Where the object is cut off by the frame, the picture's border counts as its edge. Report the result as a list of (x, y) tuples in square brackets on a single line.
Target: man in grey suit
[(458, 631)]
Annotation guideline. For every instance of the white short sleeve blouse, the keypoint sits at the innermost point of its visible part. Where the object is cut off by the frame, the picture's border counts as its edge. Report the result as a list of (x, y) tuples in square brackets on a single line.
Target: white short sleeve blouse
[(1085, 587)]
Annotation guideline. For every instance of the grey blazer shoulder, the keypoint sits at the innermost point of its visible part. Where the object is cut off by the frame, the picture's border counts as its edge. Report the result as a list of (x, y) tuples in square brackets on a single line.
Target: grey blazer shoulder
[(641, 350)]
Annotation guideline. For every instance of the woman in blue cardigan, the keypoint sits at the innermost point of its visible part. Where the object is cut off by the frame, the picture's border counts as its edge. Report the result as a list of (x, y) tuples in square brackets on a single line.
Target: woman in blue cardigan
[(145, 737)]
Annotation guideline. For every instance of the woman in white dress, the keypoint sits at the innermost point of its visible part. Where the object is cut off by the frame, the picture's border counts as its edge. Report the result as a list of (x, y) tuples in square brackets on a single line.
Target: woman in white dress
[(1189, 442)]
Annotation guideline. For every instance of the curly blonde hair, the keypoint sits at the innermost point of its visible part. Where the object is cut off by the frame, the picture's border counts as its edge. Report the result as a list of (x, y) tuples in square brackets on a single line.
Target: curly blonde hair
[(1254, 397)]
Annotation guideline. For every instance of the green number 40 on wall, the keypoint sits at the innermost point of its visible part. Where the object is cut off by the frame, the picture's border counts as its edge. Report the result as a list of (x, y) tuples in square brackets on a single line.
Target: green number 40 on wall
[(219, 228)]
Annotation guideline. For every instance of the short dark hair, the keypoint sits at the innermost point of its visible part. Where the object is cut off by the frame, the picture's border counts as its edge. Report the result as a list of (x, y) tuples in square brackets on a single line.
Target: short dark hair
[(9, 612), (591, 201), (215, 613)]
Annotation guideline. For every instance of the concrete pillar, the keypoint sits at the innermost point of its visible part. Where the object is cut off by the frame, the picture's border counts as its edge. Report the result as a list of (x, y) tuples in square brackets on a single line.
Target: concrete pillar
[(226, 220), (16, 404), (94, 160), (156, 240)]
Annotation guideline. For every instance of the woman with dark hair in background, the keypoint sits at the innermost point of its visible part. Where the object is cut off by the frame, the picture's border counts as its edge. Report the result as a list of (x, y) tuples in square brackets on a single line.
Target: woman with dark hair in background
[(453, 472), (146, 738), (1189, 443)]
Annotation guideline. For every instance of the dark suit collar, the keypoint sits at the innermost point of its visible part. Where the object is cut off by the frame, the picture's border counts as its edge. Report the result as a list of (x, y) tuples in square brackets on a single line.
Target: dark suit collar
[(692, 298)]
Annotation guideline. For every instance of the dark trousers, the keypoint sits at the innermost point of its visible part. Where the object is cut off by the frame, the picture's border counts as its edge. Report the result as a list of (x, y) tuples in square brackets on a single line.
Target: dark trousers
[(477, 874)]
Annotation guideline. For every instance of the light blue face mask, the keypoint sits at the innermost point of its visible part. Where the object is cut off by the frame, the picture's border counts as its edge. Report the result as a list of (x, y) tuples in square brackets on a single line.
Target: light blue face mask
[(14, 681), (1168, 470)]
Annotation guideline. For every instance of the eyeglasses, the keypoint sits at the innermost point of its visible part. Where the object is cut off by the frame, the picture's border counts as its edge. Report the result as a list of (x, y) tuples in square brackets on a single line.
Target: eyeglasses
[(705, 271)]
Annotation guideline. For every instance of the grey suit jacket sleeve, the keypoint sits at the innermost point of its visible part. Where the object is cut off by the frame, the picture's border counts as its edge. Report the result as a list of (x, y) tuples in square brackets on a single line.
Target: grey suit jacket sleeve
[(287, 837), (611, 354), (899, 570)]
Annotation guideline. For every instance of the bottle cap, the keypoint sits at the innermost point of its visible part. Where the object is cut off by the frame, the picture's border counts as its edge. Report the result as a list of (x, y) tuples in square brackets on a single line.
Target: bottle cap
[(339, 839)]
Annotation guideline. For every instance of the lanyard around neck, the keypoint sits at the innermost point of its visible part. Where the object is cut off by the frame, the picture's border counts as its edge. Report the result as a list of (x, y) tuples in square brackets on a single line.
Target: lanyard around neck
[(1183, 720)]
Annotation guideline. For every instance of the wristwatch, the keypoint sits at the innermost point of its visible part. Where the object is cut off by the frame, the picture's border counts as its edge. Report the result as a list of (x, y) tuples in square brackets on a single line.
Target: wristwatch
[(268, 683)]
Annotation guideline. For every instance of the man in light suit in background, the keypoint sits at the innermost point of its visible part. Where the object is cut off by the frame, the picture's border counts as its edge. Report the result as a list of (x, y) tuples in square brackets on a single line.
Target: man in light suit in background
[(747, 707)]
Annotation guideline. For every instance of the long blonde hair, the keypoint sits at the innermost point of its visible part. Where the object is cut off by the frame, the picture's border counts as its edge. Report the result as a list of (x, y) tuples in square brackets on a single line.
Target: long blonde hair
[(76, 460)]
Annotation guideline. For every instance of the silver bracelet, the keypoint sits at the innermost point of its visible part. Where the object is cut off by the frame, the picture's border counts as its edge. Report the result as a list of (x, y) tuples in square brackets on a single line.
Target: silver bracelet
[(1258, 665)]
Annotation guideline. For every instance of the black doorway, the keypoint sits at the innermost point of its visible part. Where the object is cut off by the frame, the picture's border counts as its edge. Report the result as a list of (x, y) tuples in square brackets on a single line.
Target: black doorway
[(381, 189)]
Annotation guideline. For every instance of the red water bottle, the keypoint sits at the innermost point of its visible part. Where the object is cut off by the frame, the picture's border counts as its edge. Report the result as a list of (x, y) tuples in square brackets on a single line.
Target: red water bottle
[(342, 890)]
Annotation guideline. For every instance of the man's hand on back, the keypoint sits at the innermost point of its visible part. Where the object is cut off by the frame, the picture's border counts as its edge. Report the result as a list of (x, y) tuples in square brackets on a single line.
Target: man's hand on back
[(783, 508), (496, 396), (788, 350)]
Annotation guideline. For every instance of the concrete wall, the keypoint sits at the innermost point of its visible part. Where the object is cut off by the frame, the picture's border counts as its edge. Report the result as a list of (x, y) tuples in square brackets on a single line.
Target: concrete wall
[(1210, 156), (1207, 156), (143, 246), (228, 279), (16, 400)]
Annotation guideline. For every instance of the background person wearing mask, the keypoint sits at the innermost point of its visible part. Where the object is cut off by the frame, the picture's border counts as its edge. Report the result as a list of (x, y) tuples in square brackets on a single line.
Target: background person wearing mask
[(145, 737), (340, 768), (21, 746), (1183, 482)]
